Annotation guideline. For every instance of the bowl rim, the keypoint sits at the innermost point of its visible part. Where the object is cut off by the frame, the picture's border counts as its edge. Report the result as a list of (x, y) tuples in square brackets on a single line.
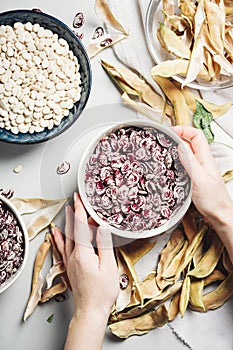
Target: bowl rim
[(152, 7), (22, 225), (87, 59), (167, 226)]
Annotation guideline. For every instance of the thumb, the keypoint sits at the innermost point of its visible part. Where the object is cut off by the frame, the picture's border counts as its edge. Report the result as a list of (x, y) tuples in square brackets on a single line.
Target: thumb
[(104, 244)]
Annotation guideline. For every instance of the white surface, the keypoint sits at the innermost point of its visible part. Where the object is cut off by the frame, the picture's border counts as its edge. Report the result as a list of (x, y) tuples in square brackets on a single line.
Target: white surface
[(39, 178)]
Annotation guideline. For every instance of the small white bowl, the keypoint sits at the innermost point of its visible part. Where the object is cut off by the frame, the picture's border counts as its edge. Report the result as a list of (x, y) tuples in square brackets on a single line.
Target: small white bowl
[(173, 221), (12, 209)]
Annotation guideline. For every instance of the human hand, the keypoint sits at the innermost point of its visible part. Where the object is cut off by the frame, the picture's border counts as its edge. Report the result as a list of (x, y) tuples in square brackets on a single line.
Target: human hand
[(209, 192), (94, 278)]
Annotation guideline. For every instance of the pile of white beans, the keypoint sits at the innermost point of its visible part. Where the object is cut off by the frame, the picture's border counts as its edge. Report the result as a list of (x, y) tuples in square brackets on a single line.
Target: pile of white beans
[(39, 78)]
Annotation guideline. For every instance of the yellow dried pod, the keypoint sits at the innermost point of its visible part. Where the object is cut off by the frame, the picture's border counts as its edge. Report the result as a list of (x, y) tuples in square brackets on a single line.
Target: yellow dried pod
[(216, 110), (188, 8), (189, 225), (140, 325), (209, 259), (196, 292), (196, 61), (45, 209), (104, 12), (167, 256), (228, 176), (179, 66), (151, 303), (125, 294), (127, 261), (172, 42), (40, 258), (148, 286), (215, 276), (229, 10), (215, 21), (174, 307), (209, 64), (181, 110), (184, 295), (218, 296), (227, 261), (37, 279), (193, 246), (138, 84), (137, 249)]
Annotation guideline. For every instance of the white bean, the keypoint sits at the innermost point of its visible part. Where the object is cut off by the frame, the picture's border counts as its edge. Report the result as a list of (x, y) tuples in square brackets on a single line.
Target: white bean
[(39, 78)]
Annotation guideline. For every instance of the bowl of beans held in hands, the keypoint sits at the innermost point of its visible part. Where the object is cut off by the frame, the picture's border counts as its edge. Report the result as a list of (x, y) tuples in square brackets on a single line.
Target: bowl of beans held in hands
[(13, 244), (45, 77), (131, 179)]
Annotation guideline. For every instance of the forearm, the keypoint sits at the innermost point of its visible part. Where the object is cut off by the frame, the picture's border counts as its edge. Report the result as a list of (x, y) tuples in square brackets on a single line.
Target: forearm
[(86, 331), (222, 223)]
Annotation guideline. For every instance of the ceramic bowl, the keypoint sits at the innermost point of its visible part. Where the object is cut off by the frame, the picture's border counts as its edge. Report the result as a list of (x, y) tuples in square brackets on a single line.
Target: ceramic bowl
[(13, 233), (75, 45), (94, 179)]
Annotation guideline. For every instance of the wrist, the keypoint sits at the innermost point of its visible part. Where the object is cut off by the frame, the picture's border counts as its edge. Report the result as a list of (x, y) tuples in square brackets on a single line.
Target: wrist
[(222, 223), (84, 323), (91, 313), (222, 218)]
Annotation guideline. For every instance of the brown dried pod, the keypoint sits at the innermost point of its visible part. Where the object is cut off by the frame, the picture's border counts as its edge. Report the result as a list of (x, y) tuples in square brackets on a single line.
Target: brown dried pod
[(37, 280), (140, 325), (227, 261), (189, 225), (51, 292)]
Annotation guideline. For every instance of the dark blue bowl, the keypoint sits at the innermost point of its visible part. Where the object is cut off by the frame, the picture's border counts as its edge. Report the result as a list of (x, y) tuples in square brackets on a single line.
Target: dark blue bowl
[(63, 31)]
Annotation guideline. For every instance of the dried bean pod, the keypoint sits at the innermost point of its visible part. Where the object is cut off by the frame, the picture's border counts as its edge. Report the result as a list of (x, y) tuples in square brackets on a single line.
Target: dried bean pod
[(37, 279), (169, 253), (227, 261), (140, 325), (150, 304), (103, 11), (210, 259), (174, 307), (51, 292), (184, 295), (148, 286), (228, 176), (189, 224), (218, 296), (196, 292)]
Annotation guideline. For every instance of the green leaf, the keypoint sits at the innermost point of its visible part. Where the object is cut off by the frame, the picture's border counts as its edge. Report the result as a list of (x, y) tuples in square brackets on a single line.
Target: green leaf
[(50, 318), (202, 120)]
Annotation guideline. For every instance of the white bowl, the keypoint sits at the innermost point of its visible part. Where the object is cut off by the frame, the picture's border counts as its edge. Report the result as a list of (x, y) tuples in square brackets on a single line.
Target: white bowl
[(172, 222), (20, 223)]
